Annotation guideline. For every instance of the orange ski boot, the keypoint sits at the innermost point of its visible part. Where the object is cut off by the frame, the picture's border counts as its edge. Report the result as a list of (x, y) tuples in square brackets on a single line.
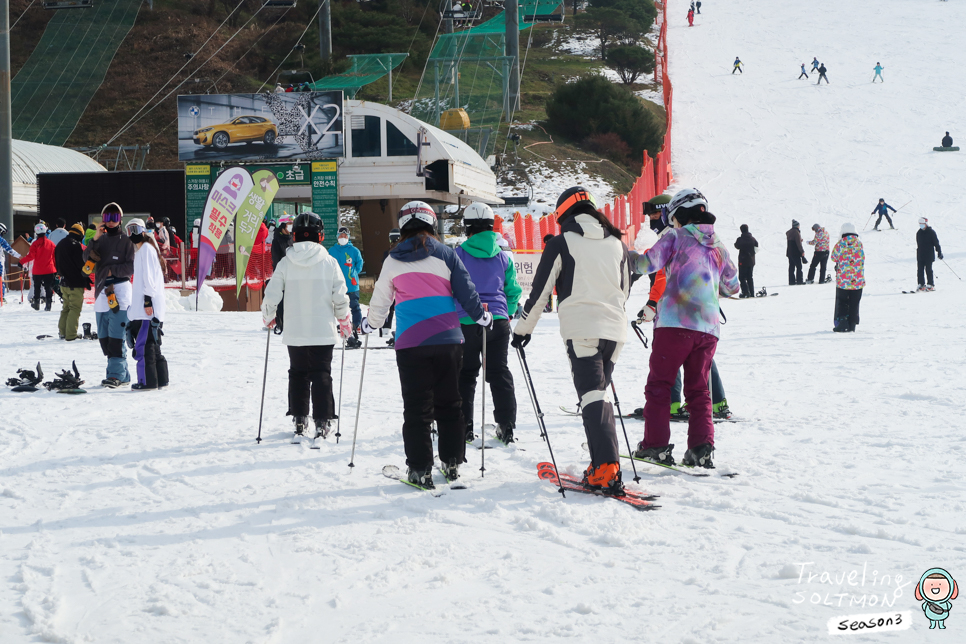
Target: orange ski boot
[(606, 477)]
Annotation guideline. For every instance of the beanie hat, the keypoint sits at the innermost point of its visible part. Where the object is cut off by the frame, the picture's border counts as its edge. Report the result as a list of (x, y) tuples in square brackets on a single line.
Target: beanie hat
[(77, 228), (795, 223), (923, 220), (744, 228), (848, 229)]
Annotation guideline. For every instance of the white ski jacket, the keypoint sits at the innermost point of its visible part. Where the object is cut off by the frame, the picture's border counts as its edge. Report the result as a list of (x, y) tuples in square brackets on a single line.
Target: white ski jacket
[(148, 280), (315, 296)]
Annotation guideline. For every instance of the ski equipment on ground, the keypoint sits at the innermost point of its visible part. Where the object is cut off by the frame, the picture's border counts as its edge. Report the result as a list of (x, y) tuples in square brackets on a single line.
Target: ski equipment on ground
[(617, 403), (67, 382), (548, 472), (27, 381), (261, 409), (393, 472), (539, 414), (683, 469), (362, 375)]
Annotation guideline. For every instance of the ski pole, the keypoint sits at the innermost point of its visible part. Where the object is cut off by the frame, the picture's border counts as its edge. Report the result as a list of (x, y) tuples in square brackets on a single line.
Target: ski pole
[(483, 409), (261, 409), (539, 414), (617, 403), (338, 420), (952, 271), (640, 334), (365, 350)]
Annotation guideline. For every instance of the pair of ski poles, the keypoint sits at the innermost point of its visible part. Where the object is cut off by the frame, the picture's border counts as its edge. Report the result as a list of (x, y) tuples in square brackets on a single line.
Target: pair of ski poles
[(893, 212)]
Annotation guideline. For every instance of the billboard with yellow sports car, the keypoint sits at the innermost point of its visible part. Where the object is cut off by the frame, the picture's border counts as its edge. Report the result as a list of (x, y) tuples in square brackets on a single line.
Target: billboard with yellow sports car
[(260, 127)]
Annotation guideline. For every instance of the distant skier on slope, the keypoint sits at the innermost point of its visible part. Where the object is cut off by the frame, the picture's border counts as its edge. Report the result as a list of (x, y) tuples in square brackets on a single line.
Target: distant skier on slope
[(795, 253), (820, 256), (588, 264), (848, 256), (815, 64), (926, 243), (803, 73), (947, 141), (686, 327), (821, 75), (747, 246), (883, 209), (737, 66), (691, 17), (697, 6), (878, 73)]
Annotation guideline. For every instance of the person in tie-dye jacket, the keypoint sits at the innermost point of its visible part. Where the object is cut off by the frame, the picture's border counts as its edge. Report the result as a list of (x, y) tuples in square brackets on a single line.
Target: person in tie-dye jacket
[(848, 257), (820, 256), (425, 278), (686, 327)]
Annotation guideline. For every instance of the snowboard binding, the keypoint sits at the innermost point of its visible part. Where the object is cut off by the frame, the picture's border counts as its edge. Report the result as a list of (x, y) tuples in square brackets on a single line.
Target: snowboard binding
[(27, 381), (66, 382), (762, 293)]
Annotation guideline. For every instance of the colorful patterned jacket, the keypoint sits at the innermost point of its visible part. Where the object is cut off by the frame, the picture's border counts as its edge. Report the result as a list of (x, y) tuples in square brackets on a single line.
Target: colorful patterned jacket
[(821, 240), (848, 256)]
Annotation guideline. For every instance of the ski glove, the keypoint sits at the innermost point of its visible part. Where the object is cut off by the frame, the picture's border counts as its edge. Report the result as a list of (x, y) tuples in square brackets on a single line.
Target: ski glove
[(364, 327), (345, 328), (940, 256), (804, 260), (648, 312), (486, 320), (520, 341)]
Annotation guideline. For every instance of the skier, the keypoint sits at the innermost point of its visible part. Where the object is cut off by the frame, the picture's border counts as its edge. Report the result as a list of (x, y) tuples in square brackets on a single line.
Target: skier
[(316, 315), (426, 279), (113, 254), (495, 279), (947, 141), (821, 75), (698, 6), (848, 257), (803, 73), (58, 233), (394, 235), (883, 209), (69, 257), (44, 269), (795, 253), (820, 256), (747, 246), (588, 265), (737, 66), (691, 17), (815, 64), (5, 248), (350, 259), (926, 243), (146, 315), (878, 73), (686, 327)]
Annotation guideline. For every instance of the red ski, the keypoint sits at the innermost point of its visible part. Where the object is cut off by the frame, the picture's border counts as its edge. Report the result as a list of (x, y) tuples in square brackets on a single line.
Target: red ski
[(548, 472)]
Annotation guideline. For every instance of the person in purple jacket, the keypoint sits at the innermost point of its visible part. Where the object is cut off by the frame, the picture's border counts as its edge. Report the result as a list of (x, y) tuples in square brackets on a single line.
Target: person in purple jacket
[(686, 327), (495, 279)]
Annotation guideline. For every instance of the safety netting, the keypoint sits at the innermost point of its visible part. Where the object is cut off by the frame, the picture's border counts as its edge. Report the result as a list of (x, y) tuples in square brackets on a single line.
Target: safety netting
[(365, 69), (54, 87)]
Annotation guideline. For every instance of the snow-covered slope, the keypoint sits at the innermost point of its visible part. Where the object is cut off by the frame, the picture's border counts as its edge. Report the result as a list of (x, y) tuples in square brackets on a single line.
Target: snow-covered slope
[(155, 517)]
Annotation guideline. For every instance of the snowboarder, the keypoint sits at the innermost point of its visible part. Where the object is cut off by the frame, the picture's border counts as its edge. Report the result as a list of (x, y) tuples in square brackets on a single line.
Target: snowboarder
[(747, 246), (426, 279), (589, 266), (146, 315), (848, 257), (113, 254), (5, 248), (69, 257), (926, 243), (878, 73), (803, 73), (821, 75), (686, 327), (350, 259), (883, 209), (947, 141), (316, 315), (815, 64), (737, 66), (691, 17), (795, 253), (44, 269), (820, 256), (495, 279)]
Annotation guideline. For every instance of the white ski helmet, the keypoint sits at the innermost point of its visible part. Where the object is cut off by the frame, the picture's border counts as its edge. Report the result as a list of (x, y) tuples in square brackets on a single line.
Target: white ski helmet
[(40, 229), (135, 226), (478, 212), (416, 212), (686, 198)]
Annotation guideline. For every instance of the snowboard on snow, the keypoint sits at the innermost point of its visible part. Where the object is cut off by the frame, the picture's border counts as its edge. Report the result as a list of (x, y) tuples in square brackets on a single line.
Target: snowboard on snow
[(548, 472)]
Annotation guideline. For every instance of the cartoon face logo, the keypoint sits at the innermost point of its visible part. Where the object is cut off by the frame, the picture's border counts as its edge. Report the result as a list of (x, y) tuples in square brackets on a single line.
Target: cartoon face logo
[(936, 590), (236, 182)]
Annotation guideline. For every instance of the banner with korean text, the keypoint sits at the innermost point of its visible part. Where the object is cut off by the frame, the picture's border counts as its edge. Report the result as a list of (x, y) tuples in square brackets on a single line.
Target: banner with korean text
[(228, 192), (248, 221)]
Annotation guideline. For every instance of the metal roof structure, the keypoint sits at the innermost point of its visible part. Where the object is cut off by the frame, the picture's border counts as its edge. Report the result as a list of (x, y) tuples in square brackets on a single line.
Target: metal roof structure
[(30, 159)]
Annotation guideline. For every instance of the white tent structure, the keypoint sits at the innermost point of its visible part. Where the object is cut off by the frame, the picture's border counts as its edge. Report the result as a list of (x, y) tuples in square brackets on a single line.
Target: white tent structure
[(30, 159)]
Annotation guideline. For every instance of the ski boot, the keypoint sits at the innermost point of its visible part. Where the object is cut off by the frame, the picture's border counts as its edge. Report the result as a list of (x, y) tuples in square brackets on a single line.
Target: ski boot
[(35, 304), (470, 436), (828, 279), (679, 411), (354, 342), (721, 410), (87, 331), (422, 478), (930, 288), (700, 456), (659, 455), (322, 428), (451, 471), (809, 281), (111, 383), (504, 433), (606, 477), (301, 423)]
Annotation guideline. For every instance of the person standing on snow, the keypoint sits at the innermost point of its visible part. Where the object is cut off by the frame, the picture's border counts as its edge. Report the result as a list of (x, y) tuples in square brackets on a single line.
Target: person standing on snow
[(113, 254), (69, 256), (878, 73), (747, 246), (316, 315), (589, 266), (737, 66), (821, 75), (926, 243), (848, 256), (44, 269), (691, 17), (697, 6), (795, 253), (803, 73), (495, 279), (820, 256), (426, 279), (350, 259), (146, 315), (686, 327), (5, 248), (883, 209), (282, 240)]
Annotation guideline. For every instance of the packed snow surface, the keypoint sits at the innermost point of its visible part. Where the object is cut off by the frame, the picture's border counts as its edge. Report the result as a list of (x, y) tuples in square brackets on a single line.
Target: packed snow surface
[(155, 517)]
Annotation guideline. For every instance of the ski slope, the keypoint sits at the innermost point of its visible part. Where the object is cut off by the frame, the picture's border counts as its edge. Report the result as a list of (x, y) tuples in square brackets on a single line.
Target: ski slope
[(156, 517)]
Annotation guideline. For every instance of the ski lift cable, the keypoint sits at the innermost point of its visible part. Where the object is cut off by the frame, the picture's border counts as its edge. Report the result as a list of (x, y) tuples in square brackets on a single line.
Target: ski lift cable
[(135, 119), (411, 42), (309, 24), (175, 75), (425, 65), (25, 12), (523, 67)]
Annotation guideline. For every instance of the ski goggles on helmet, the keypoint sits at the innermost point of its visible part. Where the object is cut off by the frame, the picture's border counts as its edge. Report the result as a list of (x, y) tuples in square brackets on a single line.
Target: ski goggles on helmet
[(134, 228)]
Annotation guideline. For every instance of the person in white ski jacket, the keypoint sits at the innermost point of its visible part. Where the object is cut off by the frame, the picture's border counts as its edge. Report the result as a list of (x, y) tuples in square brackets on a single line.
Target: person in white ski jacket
[(316, 315), (146, 313)]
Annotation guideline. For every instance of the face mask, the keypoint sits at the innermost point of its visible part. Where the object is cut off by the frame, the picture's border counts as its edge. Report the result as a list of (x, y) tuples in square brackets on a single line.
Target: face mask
[(137, 238), (343, 241), (923, 226)]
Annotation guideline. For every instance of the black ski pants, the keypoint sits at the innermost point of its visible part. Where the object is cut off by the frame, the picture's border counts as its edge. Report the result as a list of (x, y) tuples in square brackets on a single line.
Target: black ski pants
[(497, 372), (747, 280), (820, 77), (795, 271), (879, 220), (802, 74), (819, 260), (152, 367), (591, 365), (47, 283), (310, 376), (846, 309), (429, 378), (736, 69), (924, 272)]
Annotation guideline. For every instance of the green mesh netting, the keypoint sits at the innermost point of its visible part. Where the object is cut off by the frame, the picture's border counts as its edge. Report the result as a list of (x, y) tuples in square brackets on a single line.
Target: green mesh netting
[(52, 90), (365, 69)]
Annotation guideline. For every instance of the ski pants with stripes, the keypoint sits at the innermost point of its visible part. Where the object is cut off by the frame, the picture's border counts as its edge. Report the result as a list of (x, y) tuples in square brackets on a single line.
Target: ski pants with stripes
[(592, 365)]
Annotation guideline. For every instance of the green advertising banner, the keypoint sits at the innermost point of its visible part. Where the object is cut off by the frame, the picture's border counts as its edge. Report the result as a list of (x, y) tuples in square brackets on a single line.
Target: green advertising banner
[(325, 197), (248, 221), (197, 183)]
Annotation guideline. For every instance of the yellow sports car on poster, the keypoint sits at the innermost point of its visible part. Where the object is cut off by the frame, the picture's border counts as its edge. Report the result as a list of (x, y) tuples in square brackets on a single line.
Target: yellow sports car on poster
[(241, 129)]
